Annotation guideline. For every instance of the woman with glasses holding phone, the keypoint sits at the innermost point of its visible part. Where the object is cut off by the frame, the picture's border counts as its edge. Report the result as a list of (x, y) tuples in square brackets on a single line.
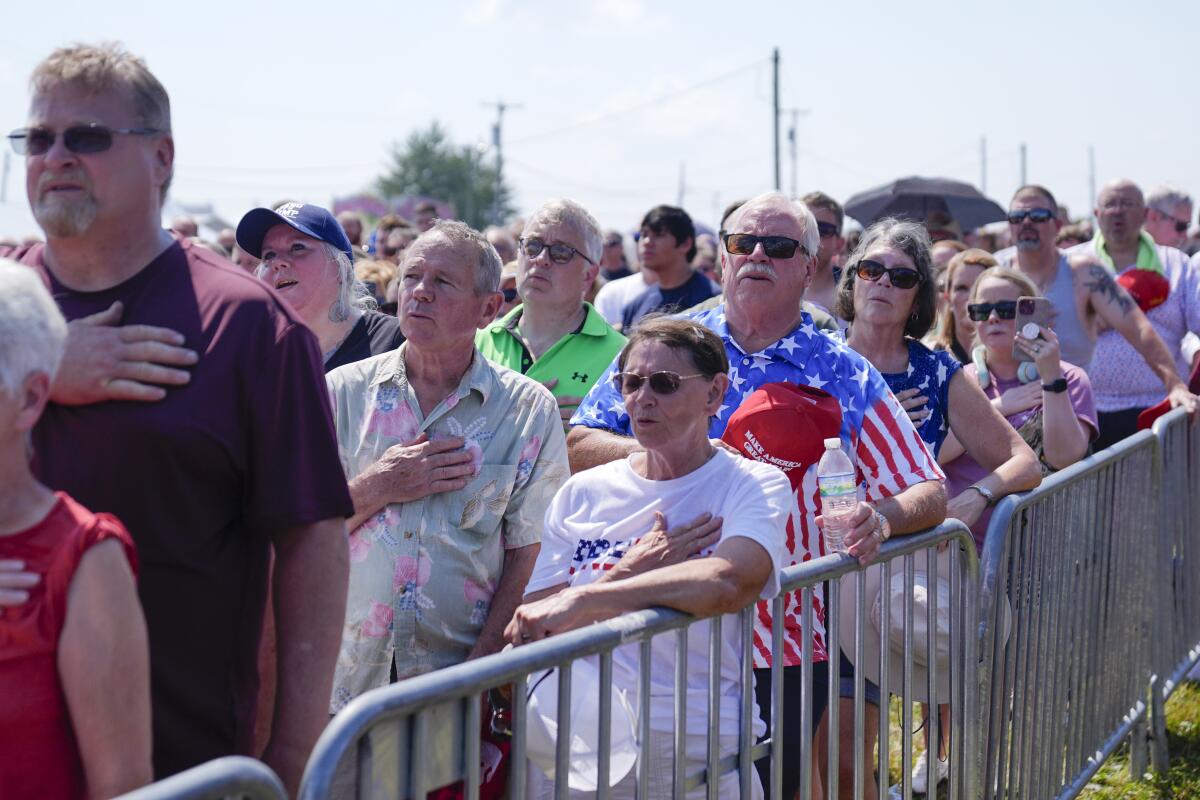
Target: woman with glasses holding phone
[(888, 296), (625, 536), (1050, 408)]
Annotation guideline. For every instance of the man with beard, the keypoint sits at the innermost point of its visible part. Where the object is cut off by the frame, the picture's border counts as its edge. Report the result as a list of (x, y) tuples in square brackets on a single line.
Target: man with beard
[(237, 453)]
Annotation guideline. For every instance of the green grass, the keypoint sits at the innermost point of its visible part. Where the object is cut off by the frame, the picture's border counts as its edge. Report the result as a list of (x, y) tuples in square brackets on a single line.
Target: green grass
[(1182, 781)]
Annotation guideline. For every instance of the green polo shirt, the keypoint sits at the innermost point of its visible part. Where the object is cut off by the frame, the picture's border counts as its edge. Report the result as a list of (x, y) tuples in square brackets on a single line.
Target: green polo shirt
[(577, 359)]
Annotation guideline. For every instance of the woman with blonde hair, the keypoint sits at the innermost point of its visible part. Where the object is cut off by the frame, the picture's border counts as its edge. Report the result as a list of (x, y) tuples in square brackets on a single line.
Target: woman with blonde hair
[(958, 332)]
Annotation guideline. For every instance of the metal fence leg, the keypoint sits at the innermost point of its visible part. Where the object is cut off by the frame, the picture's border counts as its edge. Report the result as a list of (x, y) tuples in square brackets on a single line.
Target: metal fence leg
[(1137, 750), (1160, 759)]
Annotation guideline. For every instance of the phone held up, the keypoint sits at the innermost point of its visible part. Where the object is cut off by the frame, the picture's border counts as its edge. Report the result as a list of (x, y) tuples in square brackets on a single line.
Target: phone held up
[(1036, 310)]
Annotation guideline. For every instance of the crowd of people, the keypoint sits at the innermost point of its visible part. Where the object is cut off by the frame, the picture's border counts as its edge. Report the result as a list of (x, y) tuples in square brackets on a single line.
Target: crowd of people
[(246, 479)]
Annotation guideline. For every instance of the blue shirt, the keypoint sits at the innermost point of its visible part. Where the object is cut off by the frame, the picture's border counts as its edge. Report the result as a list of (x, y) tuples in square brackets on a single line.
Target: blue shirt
[(694, 291), (929, 371)]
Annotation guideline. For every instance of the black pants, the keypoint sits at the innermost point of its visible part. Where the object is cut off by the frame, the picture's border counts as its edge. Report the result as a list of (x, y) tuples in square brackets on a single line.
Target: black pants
[(1115, 426), (793, 734)]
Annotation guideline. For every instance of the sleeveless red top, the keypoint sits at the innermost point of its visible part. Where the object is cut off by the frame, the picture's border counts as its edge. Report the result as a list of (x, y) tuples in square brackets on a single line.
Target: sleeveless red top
[(38, 753)]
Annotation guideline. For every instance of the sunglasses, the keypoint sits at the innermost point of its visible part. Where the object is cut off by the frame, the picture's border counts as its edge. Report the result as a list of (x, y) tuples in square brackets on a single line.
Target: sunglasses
[(79, 139), (827, 230), (560, 253), (743, 244), (661, 382), (1005, 309), (1032, 214), (510, 295), (1181, 225), (900, 277)]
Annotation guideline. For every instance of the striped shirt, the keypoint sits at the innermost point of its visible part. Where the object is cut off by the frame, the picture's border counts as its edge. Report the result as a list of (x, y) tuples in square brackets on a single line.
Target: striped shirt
[(890, 455)]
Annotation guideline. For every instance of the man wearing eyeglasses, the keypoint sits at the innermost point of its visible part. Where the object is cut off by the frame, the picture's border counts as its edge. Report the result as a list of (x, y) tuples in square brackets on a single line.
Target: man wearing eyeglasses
[(830, 216), (1148, 296), (554, 336), (1168, 216), (667, 245), (191, 404), (768, 256)]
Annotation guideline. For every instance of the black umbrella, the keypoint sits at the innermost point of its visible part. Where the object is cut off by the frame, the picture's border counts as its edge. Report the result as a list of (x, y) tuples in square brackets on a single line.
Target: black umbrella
[(916, 198)]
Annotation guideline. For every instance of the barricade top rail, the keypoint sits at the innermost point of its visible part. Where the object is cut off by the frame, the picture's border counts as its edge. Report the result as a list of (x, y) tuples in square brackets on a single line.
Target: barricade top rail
[(236, 776), (463, 680)]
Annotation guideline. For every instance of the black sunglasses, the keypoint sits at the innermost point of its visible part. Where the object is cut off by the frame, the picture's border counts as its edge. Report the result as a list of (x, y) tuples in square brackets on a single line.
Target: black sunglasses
[(743, 244), (900, 277), (1005, 309), (827, 230), (661, 382), (560, 252), (79, 139), (510, 295), (1032, 214)]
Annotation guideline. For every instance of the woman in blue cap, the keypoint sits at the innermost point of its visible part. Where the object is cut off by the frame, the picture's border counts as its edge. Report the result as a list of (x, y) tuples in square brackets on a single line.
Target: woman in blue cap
[(307, 258)]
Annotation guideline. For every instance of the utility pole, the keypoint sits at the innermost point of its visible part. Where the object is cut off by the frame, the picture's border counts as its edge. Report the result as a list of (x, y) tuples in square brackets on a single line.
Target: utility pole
[(793, 148), (983, 164), (497, 140), (4, 179), (682, 184), (1023, 164), (775, 114), (1091, 179)]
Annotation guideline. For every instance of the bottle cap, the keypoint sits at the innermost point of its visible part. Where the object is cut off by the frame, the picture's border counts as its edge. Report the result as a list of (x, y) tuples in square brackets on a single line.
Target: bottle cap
[(833, 444)]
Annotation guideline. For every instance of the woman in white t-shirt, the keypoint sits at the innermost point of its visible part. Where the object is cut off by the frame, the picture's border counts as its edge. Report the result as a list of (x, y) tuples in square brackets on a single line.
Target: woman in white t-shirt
[(613, 542)]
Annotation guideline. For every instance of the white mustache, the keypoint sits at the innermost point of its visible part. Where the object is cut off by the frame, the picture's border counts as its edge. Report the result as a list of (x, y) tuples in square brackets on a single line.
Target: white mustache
[(756, 268), (71, 176)]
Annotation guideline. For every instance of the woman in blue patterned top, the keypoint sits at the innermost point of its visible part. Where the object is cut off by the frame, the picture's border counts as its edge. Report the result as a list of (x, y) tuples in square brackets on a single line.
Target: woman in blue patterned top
[(887, 294)]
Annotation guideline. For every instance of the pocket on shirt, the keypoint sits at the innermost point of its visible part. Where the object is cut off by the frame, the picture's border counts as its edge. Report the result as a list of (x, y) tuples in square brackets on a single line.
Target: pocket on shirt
[(485, 499)]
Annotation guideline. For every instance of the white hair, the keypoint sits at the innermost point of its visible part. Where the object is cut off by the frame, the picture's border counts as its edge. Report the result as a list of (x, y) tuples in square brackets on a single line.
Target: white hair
[(1165, 199), (33, 332), (568, 212), (352, 293)]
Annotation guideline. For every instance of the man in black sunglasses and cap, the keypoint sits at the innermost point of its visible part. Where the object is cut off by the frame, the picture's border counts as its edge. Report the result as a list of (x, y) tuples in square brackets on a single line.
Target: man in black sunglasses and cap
[(191, 404)]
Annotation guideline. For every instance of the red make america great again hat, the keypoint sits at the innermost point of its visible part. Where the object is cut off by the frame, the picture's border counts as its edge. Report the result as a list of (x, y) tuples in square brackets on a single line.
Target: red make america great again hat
[(786, 425)]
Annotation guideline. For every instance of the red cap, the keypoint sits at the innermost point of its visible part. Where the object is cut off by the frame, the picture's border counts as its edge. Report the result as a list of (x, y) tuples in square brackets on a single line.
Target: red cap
[(1148, 288), (786, 425)]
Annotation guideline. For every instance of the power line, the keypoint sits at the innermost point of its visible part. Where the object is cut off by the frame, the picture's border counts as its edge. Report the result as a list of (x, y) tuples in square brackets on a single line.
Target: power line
[(642, 106)]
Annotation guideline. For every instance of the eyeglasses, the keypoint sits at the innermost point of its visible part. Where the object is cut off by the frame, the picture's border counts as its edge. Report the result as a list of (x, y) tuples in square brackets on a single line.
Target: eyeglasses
[(1032, 214), (1181, 225), (1005, 309), (510, 295), (827, 230), (900, 277), (79, 139), (661, 382), (743, 244), (560, 252)]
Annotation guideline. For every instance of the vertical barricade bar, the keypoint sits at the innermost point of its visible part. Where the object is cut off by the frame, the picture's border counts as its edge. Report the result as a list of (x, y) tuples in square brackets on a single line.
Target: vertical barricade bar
[(806, 695), (860, 710), (562, 743), (746, 718), (712, 768), (644, 665), (420, 737), (833, 613), (906, 740), (679, 763), (932, 721), (604, 755), (885, 728), (472, 725)]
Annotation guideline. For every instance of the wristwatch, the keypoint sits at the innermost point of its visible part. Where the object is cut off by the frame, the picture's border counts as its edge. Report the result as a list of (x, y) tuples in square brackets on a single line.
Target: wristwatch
[(1055, 387), (882, 527), (988, 495)]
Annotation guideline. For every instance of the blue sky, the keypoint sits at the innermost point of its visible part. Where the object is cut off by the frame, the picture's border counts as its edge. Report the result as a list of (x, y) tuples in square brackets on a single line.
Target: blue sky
[(302, 100)]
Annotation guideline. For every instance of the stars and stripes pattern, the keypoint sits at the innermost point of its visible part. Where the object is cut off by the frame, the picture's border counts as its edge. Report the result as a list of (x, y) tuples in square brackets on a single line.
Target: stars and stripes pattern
[(890, 455)]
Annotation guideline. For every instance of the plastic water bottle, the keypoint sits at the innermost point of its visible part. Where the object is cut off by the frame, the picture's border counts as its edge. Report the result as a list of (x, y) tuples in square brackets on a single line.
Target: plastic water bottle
[(839, 494)]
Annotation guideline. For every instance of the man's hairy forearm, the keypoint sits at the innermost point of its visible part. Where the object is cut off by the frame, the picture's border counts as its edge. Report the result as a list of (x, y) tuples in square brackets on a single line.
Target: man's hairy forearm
[(1152, 348), (518, 566), (312, 568), (591, 447), (918, 507)]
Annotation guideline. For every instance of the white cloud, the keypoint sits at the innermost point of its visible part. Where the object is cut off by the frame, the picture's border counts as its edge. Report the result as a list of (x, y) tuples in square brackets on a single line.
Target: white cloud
[(483, 12)]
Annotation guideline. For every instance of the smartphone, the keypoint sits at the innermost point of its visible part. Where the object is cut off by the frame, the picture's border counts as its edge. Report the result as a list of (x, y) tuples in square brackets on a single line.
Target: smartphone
[(1039, 311)]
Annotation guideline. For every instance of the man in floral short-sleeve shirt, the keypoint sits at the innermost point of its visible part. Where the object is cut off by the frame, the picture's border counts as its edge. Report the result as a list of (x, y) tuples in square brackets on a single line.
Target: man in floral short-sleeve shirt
[(452, 462)]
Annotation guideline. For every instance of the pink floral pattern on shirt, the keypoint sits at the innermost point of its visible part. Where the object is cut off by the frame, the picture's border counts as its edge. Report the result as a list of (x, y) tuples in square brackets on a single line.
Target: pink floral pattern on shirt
[(422, 574)]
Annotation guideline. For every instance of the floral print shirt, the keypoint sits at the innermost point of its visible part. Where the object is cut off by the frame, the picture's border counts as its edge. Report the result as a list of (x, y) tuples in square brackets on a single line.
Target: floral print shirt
[(422, 573)]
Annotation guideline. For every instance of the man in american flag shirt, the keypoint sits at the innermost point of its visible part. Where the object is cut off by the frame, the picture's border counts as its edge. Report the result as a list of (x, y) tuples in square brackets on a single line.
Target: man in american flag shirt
[(768, 258)]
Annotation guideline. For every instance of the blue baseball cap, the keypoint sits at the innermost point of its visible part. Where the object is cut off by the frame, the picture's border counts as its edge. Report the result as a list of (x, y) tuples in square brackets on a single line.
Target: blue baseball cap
[(310, 220)]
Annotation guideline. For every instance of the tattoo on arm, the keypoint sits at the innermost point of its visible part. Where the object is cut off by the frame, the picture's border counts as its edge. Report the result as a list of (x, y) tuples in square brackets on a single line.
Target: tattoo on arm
[(1101, 282)]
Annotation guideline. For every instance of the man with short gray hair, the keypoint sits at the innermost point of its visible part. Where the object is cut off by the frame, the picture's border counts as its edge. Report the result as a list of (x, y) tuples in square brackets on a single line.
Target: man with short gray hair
[(1168, 215), (452, 462)]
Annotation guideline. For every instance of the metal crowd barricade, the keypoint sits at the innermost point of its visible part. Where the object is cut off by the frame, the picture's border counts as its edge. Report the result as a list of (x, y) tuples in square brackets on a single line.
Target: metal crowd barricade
[(420, 734), (229, 777), (1177, 615), (1074, 564)]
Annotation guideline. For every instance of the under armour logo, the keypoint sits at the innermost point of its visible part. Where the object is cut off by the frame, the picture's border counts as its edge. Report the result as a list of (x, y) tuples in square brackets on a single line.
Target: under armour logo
[(579, 376), (289, 210)]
